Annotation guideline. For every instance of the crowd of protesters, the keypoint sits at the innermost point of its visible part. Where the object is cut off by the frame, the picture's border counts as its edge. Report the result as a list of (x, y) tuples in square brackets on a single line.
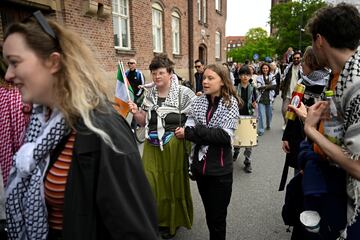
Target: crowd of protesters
[(71, 168)]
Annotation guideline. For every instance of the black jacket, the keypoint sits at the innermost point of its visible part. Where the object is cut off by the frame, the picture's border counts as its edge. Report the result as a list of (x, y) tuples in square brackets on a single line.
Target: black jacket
[(218, 160), (107, 194)]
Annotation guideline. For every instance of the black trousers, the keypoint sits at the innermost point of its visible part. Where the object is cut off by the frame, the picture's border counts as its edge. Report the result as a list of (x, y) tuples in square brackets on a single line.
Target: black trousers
[(215, 192)]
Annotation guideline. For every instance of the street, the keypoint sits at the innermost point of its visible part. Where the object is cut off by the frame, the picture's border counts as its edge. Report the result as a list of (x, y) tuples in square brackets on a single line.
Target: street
[(254, 212)]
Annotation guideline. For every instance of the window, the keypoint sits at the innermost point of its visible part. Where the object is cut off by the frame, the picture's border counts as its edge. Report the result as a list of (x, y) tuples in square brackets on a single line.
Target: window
[(218, 5), (175, 27), (204, 11), (157, 27), (121, 23), (229, 45), (217, 45), (198, 8)]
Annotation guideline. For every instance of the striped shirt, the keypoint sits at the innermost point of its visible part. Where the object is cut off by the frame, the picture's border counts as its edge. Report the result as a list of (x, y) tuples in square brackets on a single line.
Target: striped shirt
[(55, 184)]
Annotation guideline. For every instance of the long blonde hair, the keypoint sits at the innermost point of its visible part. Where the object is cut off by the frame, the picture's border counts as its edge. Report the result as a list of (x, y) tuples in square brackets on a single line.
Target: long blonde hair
[(81, 85)]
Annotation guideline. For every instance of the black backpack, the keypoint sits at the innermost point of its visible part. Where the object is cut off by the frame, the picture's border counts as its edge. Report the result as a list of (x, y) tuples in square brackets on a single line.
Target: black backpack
[(294, 201)]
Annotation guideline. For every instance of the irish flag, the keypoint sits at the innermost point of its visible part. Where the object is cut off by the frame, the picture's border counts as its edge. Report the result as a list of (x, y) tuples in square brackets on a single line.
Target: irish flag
[(124, 92)]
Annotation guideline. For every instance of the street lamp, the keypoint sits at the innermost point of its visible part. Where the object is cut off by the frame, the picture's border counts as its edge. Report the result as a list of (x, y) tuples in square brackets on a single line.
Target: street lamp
[(301, 29)]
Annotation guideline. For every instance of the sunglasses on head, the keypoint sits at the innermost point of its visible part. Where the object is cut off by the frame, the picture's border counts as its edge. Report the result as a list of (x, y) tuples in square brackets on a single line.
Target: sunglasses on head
[(40, 19)]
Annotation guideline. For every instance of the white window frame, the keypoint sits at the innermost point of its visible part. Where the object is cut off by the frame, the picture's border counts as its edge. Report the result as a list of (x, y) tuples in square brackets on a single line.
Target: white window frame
[(198, 8), (118, 15), (217, 45), (175, 29), (204, 12), (157, 27), (218, 5)]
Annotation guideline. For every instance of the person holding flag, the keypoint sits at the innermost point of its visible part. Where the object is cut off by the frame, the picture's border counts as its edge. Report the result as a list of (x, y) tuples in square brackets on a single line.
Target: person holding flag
[(165, 108), (124, 91)]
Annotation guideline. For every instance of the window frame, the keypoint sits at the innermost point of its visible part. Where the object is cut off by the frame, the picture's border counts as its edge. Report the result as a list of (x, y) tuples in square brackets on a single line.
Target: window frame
[(156, 8), (217, 45), (218, 5), (116, 13), (175, 16)]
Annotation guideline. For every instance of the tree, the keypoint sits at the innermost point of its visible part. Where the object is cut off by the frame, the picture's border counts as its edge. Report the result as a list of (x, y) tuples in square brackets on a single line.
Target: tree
[(289, 21), (256, 41)]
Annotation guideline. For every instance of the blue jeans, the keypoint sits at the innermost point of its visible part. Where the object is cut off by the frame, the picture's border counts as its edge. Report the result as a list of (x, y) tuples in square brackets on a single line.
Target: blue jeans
[(265, 112)]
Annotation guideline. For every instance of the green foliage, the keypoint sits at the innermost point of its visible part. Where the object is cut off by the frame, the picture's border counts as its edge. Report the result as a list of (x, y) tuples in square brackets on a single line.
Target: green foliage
[(256, 41), (289, 19)]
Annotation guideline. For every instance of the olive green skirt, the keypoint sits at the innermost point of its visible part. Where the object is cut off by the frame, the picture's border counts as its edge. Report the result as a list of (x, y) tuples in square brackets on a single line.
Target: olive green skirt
[(167, 173)]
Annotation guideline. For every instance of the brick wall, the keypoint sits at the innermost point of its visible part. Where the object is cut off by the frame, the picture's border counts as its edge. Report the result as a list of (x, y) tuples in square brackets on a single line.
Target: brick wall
[(215, 22), (96, 33)]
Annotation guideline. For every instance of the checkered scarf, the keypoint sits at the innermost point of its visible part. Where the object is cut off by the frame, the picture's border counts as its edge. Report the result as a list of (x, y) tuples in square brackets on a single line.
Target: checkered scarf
[(224, 117), (25, 205), (348, 94), (12, 122)]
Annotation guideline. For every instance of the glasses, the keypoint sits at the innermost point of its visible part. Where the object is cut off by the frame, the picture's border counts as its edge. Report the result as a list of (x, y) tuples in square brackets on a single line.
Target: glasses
[(197, 66), (131, 63)]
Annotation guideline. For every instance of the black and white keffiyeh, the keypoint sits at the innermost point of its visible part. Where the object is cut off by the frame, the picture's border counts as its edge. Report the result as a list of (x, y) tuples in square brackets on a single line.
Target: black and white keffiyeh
[(348, 95), (224, 117), (26, 213), (178, 101)]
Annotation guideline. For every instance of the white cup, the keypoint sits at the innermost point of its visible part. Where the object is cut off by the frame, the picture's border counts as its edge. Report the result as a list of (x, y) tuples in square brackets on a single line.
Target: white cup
[(311, 221)]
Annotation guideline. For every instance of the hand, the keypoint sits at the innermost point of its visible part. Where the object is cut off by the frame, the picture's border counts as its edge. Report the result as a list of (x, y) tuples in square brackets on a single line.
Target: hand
[(253, 104), (285, 146), (198, 93), (133, 107), (180, 133), (314, 114), (301, 111)]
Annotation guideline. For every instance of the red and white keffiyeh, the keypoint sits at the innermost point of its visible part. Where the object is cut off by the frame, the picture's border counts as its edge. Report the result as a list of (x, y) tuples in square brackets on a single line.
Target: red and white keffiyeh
[(13, 123)]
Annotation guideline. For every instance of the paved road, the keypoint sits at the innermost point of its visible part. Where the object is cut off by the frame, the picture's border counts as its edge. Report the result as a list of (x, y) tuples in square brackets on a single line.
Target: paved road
[(254, 212)]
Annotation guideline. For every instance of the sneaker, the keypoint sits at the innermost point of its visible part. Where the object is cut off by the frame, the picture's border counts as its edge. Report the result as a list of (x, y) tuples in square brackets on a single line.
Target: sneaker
[(260, 133), (248, 168), (268, 128)]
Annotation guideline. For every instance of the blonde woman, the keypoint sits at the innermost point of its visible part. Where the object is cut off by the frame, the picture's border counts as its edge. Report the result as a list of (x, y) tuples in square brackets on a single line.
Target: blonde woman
[(78, 174)]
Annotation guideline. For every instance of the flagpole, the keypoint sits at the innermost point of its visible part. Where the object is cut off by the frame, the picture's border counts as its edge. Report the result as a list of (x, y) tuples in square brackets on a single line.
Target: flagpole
[(121, 65)]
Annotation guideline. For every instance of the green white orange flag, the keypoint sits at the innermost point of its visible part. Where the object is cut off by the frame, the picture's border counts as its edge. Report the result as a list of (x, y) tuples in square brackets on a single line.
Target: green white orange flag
[(124, 92)]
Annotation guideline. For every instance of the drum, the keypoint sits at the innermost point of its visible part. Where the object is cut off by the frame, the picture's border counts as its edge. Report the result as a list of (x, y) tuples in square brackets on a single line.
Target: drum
[(246, 133)]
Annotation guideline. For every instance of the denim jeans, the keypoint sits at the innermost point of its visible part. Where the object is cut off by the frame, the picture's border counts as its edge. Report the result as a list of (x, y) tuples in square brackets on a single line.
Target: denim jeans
[(265, 112)]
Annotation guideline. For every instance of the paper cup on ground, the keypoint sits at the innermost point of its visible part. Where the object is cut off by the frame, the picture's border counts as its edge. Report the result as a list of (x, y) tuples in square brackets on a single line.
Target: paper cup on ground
[(311, 221)]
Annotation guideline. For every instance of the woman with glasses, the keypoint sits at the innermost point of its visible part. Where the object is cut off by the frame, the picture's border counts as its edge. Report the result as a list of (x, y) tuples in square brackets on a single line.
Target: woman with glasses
[(165, 108), (78, 174), (266, 84)]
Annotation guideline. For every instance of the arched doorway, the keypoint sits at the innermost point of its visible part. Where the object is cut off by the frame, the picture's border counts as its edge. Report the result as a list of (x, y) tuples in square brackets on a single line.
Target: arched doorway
[(203, 53)]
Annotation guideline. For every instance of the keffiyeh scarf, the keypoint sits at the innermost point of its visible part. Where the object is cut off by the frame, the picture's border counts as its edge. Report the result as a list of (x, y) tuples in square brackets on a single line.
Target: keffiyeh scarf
[(178, 101), (25, 203), (224, 117), (348, 94)]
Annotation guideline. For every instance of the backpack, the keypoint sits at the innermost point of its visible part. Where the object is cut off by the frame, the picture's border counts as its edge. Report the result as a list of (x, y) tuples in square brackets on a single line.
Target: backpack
[(294, 199)]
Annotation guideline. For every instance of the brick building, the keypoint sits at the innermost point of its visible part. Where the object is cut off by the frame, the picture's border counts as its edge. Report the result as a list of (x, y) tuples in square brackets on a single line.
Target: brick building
[(234, 42), (122, 29)]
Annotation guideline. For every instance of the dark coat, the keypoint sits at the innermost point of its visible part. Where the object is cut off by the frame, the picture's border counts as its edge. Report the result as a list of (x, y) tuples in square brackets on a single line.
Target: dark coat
[(107, 193)]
